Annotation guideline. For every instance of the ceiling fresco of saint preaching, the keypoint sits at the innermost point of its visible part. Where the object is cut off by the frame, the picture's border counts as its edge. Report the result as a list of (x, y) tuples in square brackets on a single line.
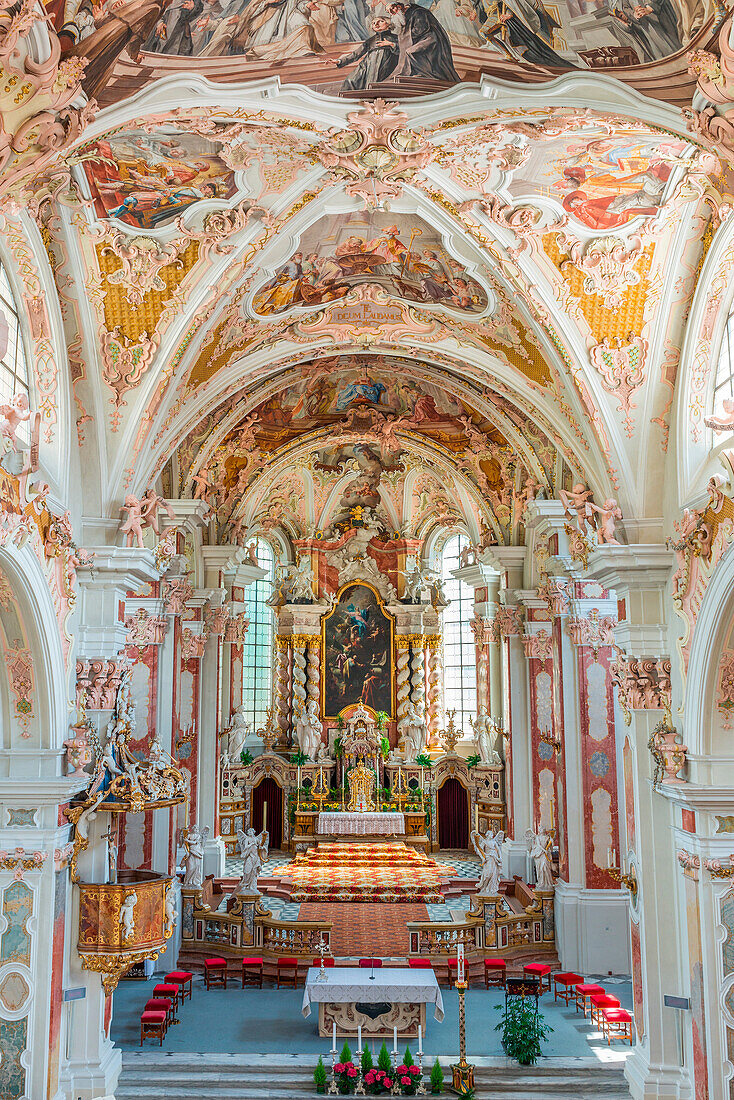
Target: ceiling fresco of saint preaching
[(339, 252), (356, 44)]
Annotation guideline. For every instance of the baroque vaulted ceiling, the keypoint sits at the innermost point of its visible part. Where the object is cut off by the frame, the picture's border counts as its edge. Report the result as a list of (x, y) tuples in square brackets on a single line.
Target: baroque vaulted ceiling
[(281, 285)]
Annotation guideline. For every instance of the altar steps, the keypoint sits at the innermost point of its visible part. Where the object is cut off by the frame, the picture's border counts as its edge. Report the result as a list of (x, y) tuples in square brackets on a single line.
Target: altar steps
[(153, 1076)]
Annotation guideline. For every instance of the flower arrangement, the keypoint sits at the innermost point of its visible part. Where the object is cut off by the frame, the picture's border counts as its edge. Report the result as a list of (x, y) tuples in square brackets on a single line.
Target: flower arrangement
[(347, 1076), (409, 1078), (377, 1082)]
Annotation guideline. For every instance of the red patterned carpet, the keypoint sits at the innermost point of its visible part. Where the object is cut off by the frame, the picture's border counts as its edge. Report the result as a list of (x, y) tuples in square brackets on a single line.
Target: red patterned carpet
[(360, 872), (366, 929)]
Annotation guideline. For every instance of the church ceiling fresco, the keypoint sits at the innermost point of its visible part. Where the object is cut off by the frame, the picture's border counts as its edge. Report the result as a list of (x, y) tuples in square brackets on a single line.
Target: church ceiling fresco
[(148, 179), (346, 46), (404, 256)]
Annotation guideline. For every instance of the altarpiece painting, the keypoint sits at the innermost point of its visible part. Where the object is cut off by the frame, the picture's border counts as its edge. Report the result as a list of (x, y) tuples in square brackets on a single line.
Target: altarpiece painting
[(357, 653)]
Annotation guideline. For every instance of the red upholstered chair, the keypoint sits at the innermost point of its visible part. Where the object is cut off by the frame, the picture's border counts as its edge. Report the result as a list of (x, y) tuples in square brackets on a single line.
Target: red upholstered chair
[(369, 964), (327, 962), (169, 990), (215, 972), (286, 972), (495, 973), (598, 1002), (452, 969), (586, 990), (616, 1024), (420, 964), (252, 972), (153, 1023), (564, 985), (184, 979), (541, 971), (161, 1004)]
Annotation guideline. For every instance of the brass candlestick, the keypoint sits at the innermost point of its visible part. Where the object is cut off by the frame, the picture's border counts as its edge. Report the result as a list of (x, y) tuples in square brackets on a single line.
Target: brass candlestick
[(462, 1072)]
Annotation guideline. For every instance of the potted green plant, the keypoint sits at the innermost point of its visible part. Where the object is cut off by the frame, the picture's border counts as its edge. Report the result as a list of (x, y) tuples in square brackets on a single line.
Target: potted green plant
[(319, 1076), (245, 757), (473, 760), (298, 758), (523, 1029), (436, 1078), (345, 1072), (423, 760), (384, 747), (381, 720)]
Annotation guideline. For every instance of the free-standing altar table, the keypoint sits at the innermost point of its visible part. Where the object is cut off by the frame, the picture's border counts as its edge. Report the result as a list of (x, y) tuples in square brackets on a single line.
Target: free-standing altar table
[(367, 823), (392, 999)]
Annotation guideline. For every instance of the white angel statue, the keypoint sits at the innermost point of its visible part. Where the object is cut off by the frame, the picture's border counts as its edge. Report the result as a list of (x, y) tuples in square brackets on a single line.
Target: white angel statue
[(489, 850), (254, 851), (484, 732)]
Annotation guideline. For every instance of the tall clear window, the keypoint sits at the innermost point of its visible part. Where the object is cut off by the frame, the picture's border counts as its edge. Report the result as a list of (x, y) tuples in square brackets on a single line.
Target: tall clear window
[(257, 655), (724, 384), (13, 364), (459, 661)]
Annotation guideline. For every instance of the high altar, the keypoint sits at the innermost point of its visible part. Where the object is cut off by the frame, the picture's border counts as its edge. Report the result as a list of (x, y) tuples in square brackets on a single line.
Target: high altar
[(357, 725)]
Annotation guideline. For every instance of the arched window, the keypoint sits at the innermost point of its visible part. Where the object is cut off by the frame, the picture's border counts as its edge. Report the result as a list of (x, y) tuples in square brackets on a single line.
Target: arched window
[(459, 661), (257, 660), (13, 364), (724, 383)]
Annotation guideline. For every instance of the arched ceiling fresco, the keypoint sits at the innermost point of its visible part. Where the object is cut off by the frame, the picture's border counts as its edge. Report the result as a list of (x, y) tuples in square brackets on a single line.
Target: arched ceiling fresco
[(227, 252)]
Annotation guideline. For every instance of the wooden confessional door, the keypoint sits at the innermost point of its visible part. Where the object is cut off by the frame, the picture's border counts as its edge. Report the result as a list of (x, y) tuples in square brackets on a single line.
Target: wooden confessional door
[(268, 791), (453, 815)]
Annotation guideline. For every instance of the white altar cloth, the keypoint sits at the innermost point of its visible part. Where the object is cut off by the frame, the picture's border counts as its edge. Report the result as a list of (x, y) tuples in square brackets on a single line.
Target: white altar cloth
[(351, 823), (352, 985)]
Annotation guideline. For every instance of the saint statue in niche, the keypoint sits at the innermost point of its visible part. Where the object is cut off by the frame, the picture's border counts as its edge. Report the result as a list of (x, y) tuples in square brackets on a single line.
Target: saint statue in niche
[(357, 653)]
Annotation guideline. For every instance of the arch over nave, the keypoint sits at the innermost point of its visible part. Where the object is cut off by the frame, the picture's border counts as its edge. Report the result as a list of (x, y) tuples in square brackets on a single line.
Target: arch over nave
[(339, 390)]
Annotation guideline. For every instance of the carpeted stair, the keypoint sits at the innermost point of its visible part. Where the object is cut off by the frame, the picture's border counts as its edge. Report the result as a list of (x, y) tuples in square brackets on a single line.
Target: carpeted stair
[(150, 1076), (364, 872)]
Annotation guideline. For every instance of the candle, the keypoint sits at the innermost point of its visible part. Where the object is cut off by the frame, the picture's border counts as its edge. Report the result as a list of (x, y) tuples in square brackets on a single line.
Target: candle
[(476, 817), (422, 770), (359, 1038), (609, 857), (420, 1039), (395, 1040), (265, 815), (321, 779), (299, 777), (333, 1038), (460, 962)]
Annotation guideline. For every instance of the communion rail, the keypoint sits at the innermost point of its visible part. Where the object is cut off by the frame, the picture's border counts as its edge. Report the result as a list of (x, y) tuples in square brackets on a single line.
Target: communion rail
[(488, 931), (246, 929)]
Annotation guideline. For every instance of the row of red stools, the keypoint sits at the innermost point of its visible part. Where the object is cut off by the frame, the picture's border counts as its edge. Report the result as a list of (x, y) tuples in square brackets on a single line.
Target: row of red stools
[(161, 1010), (606, 1011)]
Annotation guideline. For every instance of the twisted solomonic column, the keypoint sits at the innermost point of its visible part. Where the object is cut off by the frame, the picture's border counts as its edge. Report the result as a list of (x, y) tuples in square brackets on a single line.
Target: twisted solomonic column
[(403, 679), (299, 674), (281, 678), (435, 689), (313, 685), (418, 674)]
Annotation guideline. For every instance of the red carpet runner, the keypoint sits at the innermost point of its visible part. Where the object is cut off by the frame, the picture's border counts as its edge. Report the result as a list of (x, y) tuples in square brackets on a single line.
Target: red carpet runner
[(362, 872), (365, 930)]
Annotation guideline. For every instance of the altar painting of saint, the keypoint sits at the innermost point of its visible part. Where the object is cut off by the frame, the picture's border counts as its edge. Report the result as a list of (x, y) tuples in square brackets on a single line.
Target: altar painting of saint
[(357, 653)]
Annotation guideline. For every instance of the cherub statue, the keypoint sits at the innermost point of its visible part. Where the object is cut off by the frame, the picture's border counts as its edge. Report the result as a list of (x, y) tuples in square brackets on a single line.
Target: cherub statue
[(419, 578), (254, 851), (414, 733), (489, 850), (484, 733), (540, 846), (204, 486), (251, 551), (577, 504), (12, 416), (299, 581), (127, 915), (607, 514), (132, 527), (151, 505), (193, 862)]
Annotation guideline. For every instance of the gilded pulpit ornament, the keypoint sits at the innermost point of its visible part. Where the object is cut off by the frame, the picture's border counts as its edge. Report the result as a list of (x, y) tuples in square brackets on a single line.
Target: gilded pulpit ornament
[(450, 735)]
